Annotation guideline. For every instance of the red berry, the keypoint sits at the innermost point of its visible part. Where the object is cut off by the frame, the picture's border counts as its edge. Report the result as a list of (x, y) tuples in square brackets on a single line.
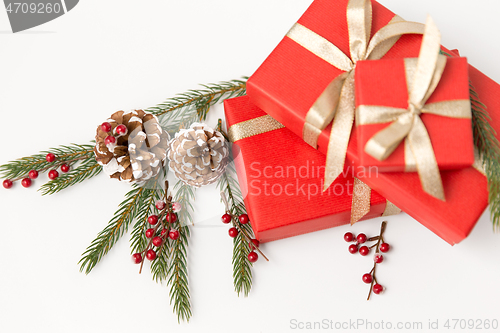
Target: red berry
[(384, 247), (364, 250), (226, 218), (150, 233), (163, 232), (136, 258), (26, 182), (153, 219), (233, 232), (243, 218), (33, 174), (160, 205), (253, 257), (171, 217), (7, 183), (361, 238), (110, 140), (121, 129), (353, 248), (173, 234), (65, 168), (151, 255), (157, 241), (255, 243), (106, 127), (348, 237), (50, 157), (53, 174), (378, 289), (367, 278), (378, 258)]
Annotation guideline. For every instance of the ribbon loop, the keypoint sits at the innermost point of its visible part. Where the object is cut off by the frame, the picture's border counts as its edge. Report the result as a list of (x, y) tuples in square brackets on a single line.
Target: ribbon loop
[(382, 144), (359, 24)]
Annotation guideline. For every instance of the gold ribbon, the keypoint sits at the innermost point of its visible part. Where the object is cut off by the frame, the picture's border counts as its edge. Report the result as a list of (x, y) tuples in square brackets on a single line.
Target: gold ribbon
[(361, 197), (337, 100), (422, 79), (361, 193), (252, 127)]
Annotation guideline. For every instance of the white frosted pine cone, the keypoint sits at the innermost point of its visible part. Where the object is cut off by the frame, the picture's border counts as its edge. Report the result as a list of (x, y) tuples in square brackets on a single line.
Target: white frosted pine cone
[(137, 155), (198, 155)]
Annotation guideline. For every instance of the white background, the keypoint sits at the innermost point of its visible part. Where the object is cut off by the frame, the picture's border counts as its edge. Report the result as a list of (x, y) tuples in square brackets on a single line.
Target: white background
[(60, 80)]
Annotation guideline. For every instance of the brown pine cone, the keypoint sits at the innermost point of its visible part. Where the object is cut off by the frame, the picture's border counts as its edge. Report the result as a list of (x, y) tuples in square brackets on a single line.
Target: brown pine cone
[(139, 154), (198, 155)]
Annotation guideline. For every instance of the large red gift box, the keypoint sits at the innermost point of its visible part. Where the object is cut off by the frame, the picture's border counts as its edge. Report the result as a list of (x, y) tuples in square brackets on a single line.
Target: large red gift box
[(281, 178), (291, 79), (385, 83)]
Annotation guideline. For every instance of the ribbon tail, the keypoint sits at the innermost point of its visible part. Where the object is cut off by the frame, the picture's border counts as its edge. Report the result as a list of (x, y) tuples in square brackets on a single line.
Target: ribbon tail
[(382, 144), (427, 166), (361, 196), (341, 132), (323, 110), (391, 209)]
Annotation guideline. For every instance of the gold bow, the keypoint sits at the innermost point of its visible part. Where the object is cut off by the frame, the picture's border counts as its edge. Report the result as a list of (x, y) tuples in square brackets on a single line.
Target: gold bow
[(337, 100), (422, 77)]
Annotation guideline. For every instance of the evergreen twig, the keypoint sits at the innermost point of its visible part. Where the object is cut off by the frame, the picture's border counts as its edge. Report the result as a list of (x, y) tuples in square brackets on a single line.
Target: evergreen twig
[(21, 167), (152, 193), (489, 152), (193, 105), (86, 170), (242, 273), (177, 270), (114, 230)]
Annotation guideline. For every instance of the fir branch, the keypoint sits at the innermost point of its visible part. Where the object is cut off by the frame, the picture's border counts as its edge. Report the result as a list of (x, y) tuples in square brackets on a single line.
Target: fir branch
[(178, 276), (184, 195), (177, 270), (151, 193), (242, 273), (85, 170), (21, 167), (489, 152), (159, 266), (195, 104), (114, 230)]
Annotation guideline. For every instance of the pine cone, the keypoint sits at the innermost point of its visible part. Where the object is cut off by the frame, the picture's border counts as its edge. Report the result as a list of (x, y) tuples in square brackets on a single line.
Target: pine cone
[(139, 154), (198, 155)]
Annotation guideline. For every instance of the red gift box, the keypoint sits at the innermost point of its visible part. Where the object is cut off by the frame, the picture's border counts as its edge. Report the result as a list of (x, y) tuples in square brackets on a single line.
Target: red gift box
[(384, 83), (274, 181)]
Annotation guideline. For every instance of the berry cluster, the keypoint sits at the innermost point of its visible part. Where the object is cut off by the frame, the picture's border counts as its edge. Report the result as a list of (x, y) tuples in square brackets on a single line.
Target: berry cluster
[(110, 140), (237, 221), (26, 181), (364, 250), (163, 226)]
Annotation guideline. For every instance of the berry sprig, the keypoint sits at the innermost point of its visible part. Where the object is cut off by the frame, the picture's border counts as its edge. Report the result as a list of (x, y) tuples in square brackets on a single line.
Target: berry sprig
[(167, 219), (110, 140), (26, 180), (236, 228), (364, 250)]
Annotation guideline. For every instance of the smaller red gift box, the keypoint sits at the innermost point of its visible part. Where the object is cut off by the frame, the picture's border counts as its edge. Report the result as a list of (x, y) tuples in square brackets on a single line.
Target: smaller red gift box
[(384, 83), (283, 193)]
